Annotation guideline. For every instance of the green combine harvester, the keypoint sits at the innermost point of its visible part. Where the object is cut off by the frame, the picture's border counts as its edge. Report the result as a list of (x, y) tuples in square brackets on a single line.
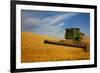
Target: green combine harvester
[(73, 38)]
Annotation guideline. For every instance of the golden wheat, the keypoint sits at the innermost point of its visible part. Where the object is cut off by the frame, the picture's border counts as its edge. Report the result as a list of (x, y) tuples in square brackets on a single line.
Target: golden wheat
[(34, 50)]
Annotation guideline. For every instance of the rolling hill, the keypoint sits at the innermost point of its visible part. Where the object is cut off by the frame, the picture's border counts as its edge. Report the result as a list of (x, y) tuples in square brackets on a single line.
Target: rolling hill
[(33, 49)]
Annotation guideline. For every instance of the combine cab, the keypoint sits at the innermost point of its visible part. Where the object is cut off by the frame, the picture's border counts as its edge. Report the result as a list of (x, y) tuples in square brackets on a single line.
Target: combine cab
[(73, 33)]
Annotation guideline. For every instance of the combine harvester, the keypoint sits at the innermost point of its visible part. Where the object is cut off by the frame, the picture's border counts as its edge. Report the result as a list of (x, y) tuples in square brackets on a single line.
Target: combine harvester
[(73, 38)]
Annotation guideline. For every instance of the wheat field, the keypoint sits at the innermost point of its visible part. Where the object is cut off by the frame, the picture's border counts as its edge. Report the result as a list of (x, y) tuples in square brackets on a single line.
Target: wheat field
[(33, 49)]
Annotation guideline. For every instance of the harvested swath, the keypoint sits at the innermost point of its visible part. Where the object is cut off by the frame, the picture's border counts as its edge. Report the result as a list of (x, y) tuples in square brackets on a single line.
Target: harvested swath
[(68, 43)]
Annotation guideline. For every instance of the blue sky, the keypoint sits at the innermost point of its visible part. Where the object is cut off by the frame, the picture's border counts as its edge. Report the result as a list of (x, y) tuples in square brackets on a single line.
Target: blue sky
[(52, 23)]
